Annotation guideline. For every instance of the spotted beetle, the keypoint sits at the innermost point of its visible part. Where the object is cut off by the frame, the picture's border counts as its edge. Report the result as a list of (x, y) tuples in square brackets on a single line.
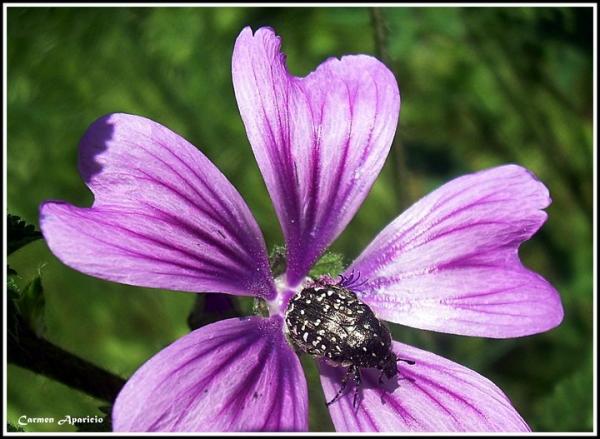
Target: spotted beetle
[(327, 320)]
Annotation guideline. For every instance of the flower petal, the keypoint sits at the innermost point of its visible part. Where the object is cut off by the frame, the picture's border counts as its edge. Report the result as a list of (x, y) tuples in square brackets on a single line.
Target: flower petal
[(163, 215), (450, 262), (320, 141), (434, 394), (233, 375)]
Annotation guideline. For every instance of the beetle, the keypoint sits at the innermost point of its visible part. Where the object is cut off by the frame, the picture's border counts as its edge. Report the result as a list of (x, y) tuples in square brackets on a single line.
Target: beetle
[(327, 320)]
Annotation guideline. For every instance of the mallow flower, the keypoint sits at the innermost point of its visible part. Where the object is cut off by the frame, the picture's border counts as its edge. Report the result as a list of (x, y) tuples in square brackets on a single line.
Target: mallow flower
[(165, 217)]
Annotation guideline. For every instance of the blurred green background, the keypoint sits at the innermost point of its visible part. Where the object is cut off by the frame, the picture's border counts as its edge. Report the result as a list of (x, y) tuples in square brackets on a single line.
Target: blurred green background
[(480, 87)]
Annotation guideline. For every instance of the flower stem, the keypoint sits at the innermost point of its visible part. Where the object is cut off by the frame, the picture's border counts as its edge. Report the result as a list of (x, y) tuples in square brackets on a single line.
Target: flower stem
[(27, 350), (400, 170)]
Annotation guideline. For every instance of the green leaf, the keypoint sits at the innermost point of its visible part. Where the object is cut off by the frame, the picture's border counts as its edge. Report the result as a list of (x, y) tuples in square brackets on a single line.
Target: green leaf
[(569, 406), (19, 233), (31, 304), (330, 264)]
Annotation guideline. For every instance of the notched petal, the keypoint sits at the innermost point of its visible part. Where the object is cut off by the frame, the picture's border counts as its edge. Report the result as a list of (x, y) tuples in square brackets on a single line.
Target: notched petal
[(450, 263), (233, 375), (433, 395), (320, 141), (163, 215)]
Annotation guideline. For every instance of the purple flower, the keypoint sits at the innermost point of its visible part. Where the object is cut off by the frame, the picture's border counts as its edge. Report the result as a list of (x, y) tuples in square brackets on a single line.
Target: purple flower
[(165, 217)]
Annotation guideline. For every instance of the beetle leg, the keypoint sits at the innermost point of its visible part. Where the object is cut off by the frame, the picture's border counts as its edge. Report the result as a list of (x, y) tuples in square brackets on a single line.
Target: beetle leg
[(344, 383), (357, 382)]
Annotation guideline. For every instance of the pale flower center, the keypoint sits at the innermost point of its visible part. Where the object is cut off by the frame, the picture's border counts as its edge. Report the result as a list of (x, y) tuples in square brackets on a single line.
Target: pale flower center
[(279, 304)]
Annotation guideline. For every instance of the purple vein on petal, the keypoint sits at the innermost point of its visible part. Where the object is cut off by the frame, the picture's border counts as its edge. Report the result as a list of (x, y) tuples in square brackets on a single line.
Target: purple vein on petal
[(427, 268), (163, 215), (233, 375), (205, 201), (243, 388), (233, 252), (164, 244), (309, 136), (432, 395)]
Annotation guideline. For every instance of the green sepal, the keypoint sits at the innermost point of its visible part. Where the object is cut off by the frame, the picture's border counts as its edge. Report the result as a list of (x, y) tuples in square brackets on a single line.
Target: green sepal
[(330, 264)]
